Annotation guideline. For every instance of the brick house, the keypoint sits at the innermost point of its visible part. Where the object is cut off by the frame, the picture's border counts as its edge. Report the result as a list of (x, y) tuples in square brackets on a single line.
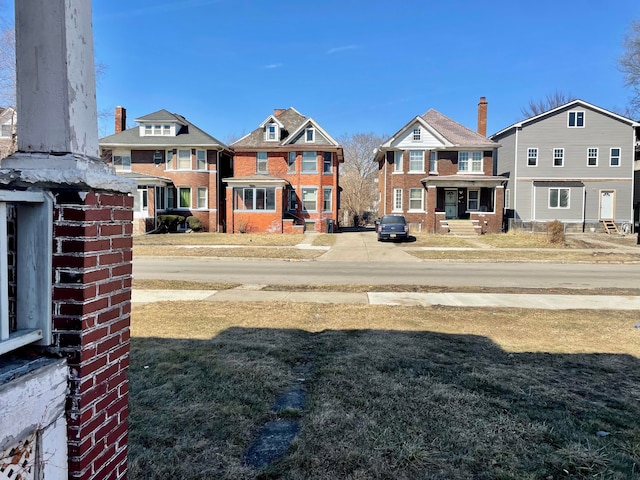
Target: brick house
[(439, 175), (285, 177), (177, 166)]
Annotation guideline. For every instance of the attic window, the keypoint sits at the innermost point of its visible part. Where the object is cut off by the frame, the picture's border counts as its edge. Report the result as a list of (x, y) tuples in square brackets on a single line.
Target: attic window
[(271, 132), (576, 119), (310, 134), (416, 134)]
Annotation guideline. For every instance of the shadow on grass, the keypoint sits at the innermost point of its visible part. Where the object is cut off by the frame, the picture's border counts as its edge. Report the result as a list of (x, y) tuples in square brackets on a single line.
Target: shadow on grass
[(382, 404)]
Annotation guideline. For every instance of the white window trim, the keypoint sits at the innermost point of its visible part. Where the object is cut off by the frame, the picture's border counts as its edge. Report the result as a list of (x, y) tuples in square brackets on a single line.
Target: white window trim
[(262, 161), (206, 198), (290, 164), (469, 209), (312, 130), (397, 161), (589, 157), (276, 132), (324, 162), (416, 134), (435, 161), (416, 210), (422, 171), (619, 157), (302, 190), (315, 169), (179, 197), (469, 170), (33, 270), (394, 198), (205, 160), (559, 207), (536, 156), (121, 153), (178, 159), (553, 157), (169, 157), (576, 117), (324, 191)]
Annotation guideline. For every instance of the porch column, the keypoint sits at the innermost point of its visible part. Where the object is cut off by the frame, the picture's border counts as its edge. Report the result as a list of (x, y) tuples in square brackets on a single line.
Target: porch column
[(431, 220)]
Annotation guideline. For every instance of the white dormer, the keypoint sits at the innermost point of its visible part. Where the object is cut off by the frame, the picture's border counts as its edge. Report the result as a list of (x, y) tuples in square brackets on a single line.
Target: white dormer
[(271, 128), (158, 129)]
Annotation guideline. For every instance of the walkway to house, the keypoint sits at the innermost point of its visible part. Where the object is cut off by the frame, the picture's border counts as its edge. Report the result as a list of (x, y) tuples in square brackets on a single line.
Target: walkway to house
[(363, 246)]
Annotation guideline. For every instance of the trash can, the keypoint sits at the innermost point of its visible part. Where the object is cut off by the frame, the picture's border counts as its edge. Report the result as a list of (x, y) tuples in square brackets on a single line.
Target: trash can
[(329, 223)]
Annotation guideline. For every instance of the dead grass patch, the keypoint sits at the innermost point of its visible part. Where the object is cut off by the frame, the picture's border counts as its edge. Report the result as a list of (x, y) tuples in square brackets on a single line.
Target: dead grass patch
[(324, 240), (550, 255), (434, 240), (227, 252), (153, 284), (395, 392), (251, 239)]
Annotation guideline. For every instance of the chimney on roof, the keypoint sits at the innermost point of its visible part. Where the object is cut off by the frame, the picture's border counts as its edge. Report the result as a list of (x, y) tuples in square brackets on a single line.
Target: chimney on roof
[(278, 111), (121, 119), (482, 116)]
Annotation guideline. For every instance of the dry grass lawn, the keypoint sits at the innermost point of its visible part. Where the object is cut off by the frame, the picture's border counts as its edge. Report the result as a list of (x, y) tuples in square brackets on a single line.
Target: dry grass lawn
[(394, 392)]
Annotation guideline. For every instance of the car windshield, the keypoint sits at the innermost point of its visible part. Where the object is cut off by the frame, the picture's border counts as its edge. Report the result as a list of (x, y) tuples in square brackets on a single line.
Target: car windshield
[(393, 219)]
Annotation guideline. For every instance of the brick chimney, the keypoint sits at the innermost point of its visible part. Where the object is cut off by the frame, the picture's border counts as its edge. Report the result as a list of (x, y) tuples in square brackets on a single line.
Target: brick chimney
[(121, 119), (482, 116), (278, 111)]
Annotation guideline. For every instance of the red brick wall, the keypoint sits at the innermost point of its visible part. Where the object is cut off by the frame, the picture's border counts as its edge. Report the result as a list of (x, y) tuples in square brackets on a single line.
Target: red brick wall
[(405, 181), (91, 314)]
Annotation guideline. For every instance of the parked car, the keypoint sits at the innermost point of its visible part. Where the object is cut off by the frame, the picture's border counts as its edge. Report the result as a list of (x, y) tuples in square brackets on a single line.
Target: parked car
[(392, 227)]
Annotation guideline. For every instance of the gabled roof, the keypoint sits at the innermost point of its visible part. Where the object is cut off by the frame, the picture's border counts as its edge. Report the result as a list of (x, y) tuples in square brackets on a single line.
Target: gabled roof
[(572, 104), (292, 123), (188, 136)]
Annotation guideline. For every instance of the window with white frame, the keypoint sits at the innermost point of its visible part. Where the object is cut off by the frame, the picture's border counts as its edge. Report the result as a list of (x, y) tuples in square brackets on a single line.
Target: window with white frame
[(576, 119), (309, 134), (559, 197), (433, 162), (184, 197), (157, 129), (271, 132), (327, 163), (309, 162), (416, 199), (397, 162), (171, 197), (169, 159), (397, 199), (532, 157), (184, 159), (161, 198), (201, 159), (470, 162), (327, 196), (291, 162), (417, 134), (25, 284), (592, 157), (614, 158), (166, 130), (6, 131), (148, 130), (416, 161), (122, 163), (261, 162), (309, 199), (473, 199), (558, 157), (255, 198), (141, 199), (201, 198)]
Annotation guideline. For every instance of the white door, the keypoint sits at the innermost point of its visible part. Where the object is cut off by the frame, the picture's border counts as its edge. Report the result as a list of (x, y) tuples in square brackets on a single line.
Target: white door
[(607, 198)]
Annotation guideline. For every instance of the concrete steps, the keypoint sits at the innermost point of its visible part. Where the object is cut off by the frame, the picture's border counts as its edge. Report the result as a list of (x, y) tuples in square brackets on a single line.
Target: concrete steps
[(461, 227)]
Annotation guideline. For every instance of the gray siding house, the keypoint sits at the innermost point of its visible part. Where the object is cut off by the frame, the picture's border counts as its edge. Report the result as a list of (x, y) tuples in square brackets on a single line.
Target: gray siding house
[(574, 163)]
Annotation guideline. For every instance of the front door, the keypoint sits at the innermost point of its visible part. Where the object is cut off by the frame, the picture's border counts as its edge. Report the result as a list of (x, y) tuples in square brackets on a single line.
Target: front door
[(607, 198), (450, 203)]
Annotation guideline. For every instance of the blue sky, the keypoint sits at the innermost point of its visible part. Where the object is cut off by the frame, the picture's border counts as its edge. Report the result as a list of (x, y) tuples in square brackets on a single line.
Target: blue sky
[(352, 65)]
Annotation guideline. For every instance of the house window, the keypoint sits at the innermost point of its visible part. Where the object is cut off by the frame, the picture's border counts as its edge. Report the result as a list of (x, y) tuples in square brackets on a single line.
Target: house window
[(122, 163), (532, 157), (473, 199), (141, 200), (261, 163), (592, 157), (201, 159), (309, 162), (397, 162), (169, 158), (157, 158), (327, 195), (160, 195), (309, 199), (202, 198), (310, 134), (291, 163), (470, 162), (255, 199), (184, 197), (397, 199), (166, 130), (293, 202), (184, 159), (271, 132), (148, 130), (6, 131), (558, 157), (614, 159), (171, 197), (433, 162), (416, 199), (157, 129), (416, 134), (327, 163), (507, 198), (576, 119), (416, 161), (559, 198)]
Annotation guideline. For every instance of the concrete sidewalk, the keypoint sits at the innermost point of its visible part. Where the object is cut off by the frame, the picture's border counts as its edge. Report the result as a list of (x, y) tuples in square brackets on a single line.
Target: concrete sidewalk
[(548, 302)]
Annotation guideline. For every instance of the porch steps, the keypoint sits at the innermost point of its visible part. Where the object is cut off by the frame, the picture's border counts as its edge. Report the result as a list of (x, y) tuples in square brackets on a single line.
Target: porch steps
[(610, 226), (461, 227)]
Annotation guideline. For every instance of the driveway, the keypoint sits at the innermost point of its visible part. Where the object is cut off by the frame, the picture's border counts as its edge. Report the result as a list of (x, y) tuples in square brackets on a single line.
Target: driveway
[(363, 246)]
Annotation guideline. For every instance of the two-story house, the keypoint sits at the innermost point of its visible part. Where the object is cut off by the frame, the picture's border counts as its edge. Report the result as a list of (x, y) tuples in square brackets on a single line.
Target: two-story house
[(285, 177), (178, 168), (573, 163), (439, 175)]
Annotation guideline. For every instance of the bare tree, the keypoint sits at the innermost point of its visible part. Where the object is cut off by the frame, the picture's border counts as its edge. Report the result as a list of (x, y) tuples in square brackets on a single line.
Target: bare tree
[(630, 65), (7, 65), (549, 102), (358, 174)]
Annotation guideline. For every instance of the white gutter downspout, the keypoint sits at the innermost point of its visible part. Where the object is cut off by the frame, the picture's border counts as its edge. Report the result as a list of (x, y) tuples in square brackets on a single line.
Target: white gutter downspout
[(514, 190)]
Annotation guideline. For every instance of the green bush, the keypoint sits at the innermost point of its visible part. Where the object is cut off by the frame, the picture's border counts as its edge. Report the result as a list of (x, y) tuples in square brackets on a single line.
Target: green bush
[(169, 223), (555, 232), (194, 223)]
